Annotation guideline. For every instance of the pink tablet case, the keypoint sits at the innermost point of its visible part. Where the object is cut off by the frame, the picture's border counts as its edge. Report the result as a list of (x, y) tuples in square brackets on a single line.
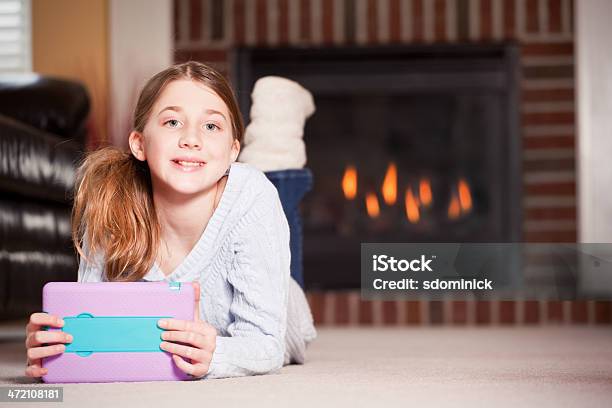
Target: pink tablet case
[(106, 299)]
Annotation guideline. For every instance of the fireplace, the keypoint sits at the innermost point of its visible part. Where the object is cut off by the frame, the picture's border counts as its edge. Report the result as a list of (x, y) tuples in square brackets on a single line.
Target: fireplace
[(408, 144)]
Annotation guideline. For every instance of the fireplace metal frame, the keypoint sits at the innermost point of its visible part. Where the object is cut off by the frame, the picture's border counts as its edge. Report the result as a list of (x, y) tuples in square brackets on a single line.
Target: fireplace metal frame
[(400, 69)]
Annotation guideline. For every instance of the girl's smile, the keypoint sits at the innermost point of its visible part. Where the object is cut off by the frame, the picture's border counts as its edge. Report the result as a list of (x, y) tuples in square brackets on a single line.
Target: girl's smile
[(187, 164)]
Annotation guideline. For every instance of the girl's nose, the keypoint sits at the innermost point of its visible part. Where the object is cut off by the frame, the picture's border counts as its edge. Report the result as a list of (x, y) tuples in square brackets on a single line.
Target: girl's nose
[(190, 140)]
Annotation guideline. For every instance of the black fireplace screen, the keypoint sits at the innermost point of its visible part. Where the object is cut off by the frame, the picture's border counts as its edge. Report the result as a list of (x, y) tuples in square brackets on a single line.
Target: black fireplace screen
[(416, 144)]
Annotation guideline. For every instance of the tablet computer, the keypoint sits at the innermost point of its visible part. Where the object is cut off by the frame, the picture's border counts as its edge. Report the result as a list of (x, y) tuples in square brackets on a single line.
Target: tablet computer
[(114, 329)]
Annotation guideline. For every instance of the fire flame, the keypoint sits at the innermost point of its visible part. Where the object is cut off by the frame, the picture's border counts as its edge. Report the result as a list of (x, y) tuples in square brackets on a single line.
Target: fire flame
[(454, 208), (349, 182), (425, 192), (372, 205), (412, 207), (465, 196), (389, 187)]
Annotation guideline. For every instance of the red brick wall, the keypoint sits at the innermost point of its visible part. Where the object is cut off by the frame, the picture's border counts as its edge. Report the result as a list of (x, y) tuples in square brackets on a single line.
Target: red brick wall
[(347, 309), (207, 29)]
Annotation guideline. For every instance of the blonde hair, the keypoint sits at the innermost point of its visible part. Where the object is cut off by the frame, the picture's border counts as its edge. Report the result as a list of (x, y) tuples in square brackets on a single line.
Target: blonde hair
[(113, 209)]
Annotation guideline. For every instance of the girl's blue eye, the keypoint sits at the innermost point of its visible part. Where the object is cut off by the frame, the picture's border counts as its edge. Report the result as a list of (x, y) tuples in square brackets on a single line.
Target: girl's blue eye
[(172, 122), (212, 127)]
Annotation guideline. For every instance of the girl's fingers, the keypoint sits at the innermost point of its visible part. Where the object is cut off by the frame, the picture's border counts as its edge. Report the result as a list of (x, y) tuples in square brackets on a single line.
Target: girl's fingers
[(176, 324), (182, 325), (195, 370), (35, 370), (185, 351), (34, 362), (202, 327), (45, 351), (43, 319), (209, 329), (39, 337), (195, 339), (196, 292)]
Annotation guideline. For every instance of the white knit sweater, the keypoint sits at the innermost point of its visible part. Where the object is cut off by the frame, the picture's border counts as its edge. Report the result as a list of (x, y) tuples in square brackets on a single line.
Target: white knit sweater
[(242, 263)]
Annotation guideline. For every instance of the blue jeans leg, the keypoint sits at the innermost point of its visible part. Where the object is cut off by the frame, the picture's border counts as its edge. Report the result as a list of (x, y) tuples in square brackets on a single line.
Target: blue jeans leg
[(292, 185)]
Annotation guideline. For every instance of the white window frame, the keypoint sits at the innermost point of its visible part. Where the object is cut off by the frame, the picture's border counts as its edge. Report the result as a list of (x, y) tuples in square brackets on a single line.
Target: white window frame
[(24, 41)]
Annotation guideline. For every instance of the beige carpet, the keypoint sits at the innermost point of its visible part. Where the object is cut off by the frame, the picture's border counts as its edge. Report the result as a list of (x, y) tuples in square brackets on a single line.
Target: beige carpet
[(367, 367)]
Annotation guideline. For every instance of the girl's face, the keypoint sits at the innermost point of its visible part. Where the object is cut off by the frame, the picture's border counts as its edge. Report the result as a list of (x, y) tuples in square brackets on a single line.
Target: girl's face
[(187, 141)]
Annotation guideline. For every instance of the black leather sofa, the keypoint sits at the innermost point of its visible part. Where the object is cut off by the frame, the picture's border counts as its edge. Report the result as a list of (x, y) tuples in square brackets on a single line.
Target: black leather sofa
[(42, 137)]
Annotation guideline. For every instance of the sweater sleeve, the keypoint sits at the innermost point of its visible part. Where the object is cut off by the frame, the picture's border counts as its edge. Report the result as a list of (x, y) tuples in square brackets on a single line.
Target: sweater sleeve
[(259, 277)]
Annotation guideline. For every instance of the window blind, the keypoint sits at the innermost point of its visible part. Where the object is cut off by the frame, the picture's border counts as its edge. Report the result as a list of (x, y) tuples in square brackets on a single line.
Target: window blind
[(15, 37)]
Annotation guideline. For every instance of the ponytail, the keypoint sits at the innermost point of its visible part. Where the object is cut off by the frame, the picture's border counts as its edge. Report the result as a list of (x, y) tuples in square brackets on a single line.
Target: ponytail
[(113, 213)]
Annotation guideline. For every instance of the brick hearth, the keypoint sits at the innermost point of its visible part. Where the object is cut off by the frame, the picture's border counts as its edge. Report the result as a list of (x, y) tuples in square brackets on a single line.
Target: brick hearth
[(340, 308)]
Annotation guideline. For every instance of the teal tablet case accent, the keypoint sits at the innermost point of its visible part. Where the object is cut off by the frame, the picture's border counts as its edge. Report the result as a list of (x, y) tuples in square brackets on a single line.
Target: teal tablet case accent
[(94, 334)]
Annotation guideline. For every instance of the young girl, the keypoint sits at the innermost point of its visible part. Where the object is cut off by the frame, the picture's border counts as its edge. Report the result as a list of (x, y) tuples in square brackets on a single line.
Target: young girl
[(177, 207)]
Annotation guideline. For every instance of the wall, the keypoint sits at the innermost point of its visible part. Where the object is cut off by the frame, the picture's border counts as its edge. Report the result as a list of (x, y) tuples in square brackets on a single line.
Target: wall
[(594, 93), (112, 46), (69, 40), (141, 44)]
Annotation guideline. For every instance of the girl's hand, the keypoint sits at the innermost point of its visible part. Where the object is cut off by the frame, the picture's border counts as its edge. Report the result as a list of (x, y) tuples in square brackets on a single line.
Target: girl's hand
[(199, 340), (36, 339)]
